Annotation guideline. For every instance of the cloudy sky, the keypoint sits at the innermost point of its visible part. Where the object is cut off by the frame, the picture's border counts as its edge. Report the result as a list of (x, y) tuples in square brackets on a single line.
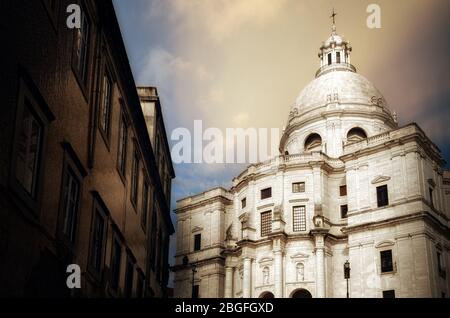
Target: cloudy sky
[(242, 63)]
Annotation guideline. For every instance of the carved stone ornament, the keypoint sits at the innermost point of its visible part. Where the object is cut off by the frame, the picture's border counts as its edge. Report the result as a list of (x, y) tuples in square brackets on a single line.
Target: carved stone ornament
[(380, 179), (229, 233), (318, 221), (244, 218), (277, 213)]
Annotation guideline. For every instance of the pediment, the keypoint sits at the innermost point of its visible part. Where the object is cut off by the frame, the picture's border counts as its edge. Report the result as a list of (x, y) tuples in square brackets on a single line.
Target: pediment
[(380, 179), (197, 229), (299, 256), (383, 244), (265, 260)]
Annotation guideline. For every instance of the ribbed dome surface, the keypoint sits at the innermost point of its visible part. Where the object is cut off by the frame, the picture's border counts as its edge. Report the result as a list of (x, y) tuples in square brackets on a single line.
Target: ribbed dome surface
[(350, 87), (334, 38)]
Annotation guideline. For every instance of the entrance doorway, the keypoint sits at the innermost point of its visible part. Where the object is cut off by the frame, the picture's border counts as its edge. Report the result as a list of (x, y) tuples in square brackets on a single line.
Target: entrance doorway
[(301, 293), (267, 295)]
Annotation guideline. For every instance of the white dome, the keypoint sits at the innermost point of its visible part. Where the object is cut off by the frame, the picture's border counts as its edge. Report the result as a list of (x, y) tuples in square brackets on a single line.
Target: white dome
[(336, 101), (334, 38), (350, 87)]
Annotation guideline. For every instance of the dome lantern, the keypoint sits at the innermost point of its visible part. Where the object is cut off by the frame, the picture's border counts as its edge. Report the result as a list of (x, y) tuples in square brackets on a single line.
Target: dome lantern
[(337, 108), (334, 54)]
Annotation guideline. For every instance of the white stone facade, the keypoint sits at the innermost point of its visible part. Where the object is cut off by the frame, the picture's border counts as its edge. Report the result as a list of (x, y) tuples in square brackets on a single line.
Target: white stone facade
[(343, 145)]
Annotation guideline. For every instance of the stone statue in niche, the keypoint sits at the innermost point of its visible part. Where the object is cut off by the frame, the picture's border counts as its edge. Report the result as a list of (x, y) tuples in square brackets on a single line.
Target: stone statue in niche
[(229, 235), (277, 215), (244, 220), (241, 279), (266, 276), (300, 272)]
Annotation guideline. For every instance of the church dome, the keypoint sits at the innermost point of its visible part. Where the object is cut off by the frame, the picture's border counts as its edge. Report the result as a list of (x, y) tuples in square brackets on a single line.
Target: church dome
[(334, 39), (337, 102), (346, 86)]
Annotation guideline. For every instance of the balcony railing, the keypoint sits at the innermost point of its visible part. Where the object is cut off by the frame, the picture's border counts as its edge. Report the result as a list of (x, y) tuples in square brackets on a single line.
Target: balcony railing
[(301, 158), (334, 67)]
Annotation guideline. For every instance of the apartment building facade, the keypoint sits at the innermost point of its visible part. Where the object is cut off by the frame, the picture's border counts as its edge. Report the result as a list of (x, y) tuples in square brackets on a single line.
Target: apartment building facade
[(80, 180)]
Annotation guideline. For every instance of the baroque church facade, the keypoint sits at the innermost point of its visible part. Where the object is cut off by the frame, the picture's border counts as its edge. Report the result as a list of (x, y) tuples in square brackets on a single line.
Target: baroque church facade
[(349, 188)]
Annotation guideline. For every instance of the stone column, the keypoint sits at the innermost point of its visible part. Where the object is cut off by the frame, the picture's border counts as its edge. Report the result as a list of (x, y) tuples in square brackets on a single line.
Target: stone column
[(247, 279), (320, 266), (278, 274), (180, 235), (229, 281)]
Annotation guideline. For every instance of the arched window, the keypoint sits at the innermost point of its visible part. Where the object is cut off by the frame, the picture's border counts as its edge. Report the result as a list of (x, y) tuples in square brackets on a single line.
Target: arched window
[(313, 143), (356, 134)]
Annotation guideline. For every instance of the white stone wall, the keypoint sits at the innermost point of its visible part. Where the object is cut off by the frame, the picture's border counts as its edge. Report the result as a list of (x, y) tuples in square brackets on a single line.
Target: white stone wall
[(334, 132), (410, 226), (410, 277)]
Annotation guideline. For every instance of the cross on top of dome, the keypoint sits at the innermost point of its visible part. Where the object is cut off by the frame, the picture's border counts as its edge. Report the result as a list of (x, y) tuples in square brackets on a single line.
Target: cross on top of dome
[(333, 16)]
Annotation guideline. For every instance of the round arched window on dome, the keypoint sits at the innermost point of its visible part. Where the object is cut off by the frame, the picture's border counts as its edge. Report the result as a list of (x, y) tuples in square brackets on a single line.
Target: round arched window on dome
[(313, 143), (356, 134)]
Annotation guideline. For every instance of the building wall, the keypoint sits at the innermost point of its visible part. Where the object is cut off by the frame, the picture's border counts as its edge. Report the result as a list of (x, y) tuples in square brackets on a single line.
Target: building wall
[(333, 130), (151, 106), (413, 228), (39, 59)]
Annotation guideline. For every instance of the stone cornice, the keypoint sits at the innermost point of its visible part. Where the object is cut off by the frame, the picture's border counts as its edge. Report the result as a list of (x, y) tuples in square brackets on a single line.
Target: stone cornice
[(252, 243), (286, 163), (417, 198), (295, 123), (286, 238), (203, 262), (278, 235), (319, 231), (201, 203), (394, 138), (300, 200), (237, 251), (426, 216), (265, 206), (215, 246)]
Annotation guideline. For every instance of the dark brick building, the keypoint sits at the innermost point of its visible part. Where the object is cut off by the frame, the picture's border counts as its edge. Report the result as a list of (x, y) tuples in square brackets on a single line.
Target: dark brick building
[(82, 179)]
